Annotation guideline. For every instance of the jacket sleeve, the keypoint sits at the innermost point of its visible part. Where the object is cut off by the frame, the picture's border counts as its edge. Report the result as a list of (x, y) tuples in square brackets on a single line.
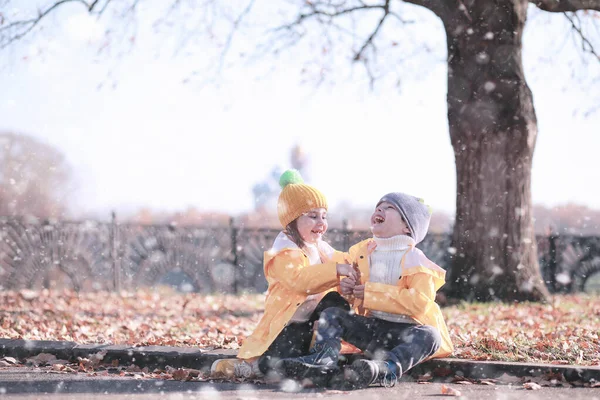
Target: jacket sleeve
[(290, 269), (415, 300)]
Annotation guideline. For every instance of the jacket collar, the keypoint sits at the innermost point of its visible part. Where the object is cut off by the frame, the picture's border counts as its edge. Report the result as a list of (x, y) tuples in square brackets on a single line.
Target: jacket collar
[(398, 242), (414, 261)]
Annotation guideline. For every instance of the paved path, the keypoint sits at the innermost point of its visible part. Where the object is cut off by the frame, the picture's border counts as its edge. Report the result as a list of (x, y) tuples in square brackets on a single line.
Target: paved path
[(29, 383)]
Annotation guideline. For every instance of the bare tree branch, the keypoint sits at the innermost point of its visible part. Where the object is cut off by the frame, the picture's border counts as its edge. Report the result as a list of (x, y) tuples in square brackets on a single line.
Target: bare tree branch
[(317, 12), (234, 29), (369, 41), (31, 23), (91, 7), (24, 27), (566, 5), (327, 13), (586, 44), (103, 7), (370, 74)]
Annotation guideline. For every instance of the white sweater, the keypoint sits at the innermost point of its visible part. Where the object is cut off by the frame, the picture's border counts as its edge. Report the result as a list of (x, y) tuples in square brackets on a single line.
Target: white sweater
[(385, 268)]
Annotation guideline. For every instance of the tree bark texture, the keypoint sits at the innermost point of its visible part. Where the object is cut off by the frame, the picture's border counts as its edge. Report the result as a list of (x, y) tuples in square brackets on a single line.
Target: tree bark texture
[(493, 131)]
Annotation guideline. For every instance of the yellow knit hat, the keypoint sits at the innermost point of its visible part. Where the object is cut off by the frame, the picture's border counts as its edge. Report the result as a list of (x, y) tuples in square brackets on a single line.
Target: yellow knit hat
[(296, 197)]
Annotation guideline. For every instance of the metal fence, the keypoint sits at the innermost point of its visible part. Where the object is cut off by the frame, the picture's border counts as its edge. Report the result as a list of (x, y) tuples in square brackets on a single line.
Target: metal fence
[(91, 255)]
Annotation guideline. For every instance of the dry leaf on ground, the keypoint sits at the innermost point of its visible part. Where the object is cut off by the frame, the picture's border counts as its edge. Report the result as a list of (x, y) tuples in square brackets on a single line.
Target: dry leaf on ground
[(448, 391), (505, 378), (531, 386), (41, 359), (558, 332), (9, 360), (181, 374)]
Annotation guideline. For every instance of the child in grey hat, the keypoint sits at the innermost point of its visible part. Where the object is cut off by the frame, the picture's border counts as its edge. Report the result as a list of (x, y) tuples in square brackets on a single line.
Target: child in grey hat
[(395, 320)]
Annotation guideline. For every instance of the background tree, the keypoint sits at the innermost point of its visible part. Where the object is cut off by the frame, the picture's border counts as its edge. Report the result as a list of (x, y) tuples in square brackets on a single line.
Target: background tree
[(34, 178), (267, 191), (492, 121)]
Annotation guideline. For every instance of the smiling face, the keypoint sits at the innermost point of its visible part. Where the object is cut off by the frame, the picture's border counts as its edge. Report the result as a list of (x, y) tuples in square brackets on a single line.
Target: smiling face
[(313, 225), (386, 222)]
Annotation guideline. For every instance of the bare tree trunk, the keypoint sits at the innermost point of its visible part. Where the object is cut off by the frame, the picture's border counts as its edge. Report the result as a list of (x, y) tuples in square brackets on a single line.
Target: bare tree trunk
[(493, 130)]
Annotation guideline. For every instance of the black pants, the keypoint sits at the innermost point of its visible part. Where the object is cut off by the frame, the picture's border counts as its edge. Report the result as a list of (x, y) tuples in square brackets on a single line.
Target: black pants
[(404, 344), (294, 340)]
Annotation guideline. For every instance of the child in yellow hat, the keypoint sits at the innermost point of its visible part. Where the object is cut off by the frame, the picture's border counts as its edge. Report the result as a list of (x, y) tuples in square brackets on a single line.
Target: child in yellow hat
[(397, 322), (302, 271)]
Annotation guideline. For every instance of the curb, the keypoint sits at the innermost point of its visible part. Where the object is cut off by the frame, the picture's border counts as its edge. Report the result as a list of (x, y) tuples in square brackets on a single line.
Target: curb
[(191, 357), (493, 369), (147, 356)]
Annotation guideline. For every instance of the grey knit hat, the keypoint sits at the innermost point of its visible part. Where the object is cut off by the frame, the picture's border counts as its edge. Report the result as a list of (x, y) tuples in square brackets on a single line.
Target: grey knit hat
[(413, 210)]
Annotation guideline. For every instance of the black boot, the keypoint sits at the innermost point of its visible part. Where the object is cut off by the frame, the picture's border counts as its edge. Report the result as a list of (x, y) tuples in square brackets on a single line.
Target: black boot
[(362, 373), (317, 366)]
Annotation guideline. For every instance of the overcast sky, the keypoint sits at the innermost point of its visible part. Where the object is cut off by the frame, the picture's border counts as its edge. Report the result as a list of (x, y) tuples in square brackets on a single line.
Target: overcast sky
[(154, 141)]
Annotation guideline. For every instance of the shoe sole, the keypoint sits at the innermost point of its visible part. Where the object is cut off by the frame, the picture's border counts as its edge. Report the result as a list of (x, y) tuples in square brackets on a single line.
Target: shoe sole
[(225, 373), (317, 375), (353, 377)]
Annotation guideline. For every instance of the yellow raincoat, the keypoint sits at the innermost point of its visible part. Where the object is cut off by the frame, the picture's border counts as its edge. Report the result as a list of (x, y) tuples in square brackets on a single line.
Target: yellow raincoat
[(414, 295), (291, 279)]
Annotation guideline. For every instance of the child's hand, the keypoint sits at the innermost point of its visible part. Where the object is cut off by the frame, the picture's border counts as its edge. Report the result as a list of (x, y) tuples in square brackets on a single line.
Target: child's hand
[(347, 286), (346, 270), (359, 291)]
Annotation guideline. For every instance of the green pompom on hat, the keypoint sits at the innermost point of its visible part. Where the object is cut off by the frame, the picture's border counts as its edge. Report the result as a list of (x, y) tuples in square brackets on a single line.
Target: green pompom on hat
[(290, 176)]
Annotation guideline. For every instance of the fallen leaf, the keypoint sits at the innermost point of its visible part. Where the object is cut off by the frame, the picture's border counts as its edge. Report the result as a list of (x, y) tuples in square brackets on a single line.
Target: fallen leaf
[(10, 360), (41, 359), (531, 386), (554, 376), (448, 391), (505, 378), (194, 372), (28, 295), (460, 378), (98, 357), (170, 370), (181, 375), (133, 368), (58, 361)]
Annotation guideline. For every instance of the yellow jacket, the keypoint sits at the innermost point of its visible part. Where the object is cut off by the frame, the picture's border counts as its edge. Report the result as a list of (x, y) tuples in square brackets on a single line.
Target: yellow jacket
[(414, 295), (291, 279)]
